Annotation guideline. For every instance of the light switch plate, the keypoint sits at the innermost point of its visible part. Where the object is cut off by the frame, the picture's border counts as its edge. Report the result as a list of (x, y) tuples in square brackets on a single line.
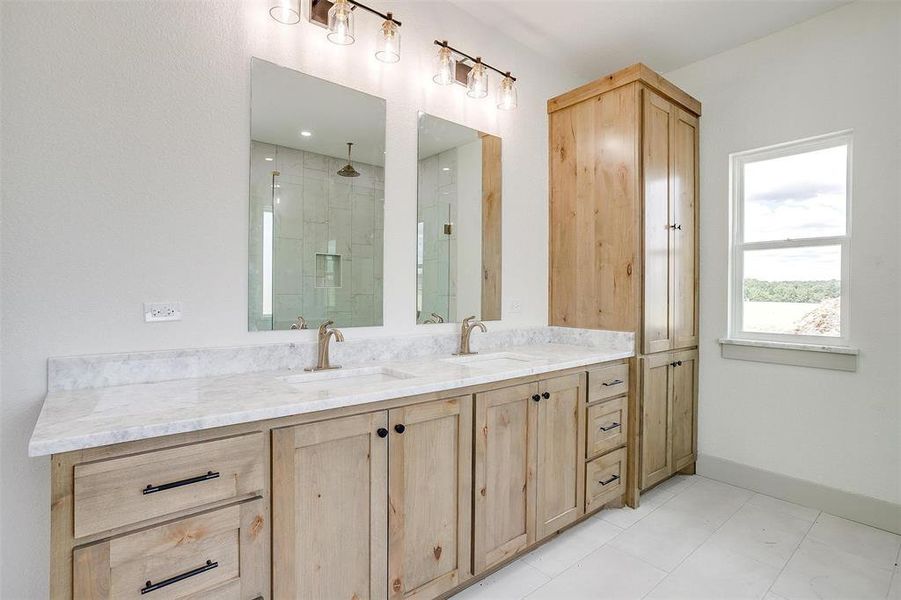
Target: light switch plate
[(162, 311)]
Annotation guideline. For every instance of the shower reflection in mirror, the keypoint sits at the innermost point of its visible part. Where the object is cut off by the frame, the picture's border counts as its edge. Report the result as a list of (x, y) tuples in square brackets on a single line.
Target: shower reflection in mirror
[(458, 250), (316, 202)]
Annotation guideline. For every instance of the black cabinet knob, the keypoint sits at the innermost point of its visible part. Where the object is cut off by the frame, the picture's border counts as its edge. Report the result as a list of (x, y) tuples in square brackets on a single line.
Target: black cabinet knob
[(546, 395), (399, 428), (536, 397), (382, 432)]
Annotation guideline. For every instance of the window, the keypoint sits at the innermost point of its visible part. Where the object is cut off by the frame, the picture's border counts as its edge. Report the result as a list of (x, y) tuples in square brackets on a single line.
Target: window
[(790, 242)]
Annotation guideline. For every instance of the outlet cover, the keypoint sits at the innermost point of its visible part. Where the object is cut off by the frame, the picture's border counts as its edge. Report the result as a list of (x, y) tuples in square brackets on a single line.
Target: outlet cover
[(162, 311)]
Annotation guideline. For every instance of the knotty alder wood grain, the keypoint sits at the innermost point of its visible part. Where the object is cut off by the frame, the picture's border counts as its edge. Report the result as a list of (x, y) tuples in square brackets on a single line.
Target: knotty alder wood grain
[(492, 188), (656, 419), (684, 406), (685, 237)]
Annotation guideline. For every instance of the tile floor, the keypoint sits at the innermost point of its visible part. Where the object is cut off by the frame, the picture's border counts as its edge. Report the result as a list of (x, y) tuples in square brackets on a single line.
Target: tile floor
[(696, 538)]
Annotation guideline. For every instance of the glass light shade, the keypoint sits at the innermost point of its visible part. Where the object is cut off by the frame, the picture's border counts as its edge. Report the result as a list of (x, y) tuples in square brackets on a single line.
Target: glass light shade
[(477, 81), (285, 11), (388, 43), (341, 23), (506, 94), (445, 67)]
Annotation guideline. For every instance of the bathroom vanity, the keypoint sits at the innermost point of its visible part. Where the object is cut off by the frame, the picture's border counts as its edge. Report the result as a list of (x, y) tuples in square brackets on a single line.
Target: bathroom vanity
[(399, 479)]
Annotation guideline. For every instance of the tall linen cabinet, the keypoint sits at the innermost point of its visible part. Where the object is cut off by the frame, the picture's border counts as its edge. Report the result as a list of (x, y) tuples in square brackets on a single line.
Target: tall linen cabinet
[(623, 247)]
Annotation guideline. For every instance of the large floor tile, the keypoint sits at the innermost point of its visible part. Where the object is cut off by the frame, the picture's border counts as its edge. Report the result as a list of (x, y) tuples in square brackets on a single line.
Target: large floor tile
[(715, 573), (781, 506), (605, 573), (566, 549), (818, 570), (664, 538), (711, 501), (868, 542), (767, 536), (513, 582), (894, 592), (648, 502)]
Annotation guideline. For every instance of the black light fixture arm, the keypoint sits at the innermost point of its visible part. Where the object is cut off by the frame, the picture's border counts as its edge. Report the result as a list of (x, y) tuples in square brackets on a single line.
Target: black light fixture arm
[(386, 16), (444, 44)]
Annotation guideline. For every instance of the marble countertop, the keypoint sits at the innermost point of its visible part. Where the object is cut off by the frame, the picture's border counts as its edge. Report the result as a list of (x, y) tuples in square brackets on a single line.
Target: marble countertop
[(85, 418)]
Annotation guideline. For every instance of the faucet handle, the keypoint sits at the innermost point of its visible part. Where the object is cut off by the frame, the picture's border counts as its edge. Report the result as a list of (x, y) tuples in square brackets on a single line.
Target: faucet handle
[(325, 325), (468, 319)]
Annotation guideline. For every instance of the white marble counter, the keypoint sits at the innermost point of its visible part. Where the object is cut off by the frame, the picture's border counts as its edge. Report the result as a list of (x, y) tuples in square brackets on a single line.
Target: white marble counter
[(84, 418)]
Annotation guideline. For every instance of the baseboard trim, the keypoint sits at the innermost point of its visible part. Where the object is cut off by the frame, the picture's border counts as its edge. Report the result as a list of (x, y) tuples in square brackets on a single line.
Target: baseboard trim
[(856, 507)]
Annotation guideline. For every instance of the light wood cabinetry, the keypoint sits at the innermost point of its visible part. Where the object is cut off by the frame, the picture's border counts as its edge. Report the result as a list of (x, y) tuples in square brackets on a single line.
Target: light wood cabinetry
[(623, 217), (330, 509), (430, 497), (669, 407), (404, 499)]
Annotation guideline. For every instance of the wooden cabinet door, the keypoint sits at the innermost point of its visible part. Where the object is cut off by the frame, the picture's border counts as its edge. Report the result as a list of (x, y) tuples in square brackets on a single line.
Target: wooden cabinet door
[(329, 509), (657, 138), (505, 446), (429, 497), (684, 406), (560, 481), (656, 419), (685, 235)]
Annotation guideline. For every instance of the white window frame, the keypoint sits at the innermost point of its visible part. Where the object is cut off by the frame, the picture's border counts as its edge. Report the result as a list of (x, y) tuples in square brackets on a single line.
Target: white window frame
[(738, 246)]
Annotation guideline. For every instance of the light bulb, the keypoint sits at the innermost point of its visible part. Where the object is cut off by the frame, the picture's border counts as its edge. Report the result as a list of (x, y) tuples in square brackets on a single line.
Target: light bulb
[(506, 93), (341, 23), (388, 43), (477, 81), (285, 11), (445, 66)]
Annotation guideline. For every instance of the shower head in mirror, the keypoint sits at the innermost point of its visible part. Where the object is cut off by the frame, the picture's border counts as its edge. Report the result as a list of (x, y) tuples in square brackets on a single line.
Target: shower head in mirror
[(348, 169)]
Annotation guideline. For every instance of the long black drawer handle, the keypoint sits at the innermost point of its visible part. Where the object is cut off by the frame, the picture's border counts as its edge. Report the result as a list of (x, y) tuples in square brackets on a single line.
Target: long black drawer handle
[(611, 480), (614, 382), (152, 587), (613, 425), (152, 489)]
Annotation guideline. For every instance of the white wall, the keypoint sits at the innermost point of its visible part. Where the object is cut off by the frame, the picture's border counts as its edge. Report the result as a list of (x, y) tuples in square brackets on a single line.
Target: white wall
[(125, 130), (841, 70)]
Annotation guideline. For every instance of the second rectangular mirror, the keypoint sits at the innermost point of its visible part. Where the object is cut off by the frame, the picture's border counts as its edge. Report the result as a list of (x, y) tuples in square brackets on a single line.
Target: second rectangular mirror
[(458, 255)]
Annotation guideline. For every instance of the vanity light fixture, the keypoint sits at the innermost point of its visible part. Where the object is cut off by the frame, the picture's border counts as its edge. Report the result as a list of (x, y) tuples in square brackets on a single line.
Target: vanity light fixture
[(285, 11), (338, 17), (473, 73)]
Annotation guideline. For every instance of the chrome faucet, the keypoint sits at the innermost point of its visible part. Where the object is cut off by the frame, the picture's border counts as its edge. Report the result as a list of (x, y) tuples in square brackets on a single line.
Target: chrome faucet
[(326, 331), (469, 323), (300, 323)]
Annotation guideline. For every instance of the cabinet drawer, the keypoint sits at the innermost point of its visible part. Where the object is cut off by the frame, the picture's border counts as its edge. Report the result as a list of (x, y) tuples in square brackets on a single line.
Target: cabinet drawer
[(607, 382), (604, 479), (218, 554), (124, 491), (607, 423)]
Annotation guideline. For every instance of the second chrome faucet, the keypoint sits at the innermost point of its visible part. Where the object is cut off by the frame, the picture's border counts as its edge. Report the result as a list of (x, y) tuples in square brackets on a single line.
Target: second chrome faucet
[(469, 323), (326, 331)]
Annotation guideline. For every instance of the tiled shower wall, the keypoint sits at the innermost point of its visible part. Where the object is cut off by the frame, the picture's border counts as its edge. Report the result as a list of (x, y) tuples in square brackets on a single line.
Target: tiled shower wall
[(437, 205), (316, 212)]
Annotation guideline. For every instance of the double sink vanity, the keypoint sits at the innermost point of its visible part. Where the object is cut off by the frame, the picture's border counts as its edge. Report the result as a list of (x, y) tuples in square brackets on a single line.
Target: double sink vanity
[(396, 478)]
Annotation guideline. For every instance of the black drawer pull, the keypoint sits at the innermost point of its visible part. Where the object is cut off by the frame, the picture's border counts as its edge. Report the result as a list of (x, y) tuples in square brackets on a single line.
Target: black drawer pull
[(152, 489), (614, 382), (152, 587), (536, 397), (545, 395), (611, 480), (613, 425)]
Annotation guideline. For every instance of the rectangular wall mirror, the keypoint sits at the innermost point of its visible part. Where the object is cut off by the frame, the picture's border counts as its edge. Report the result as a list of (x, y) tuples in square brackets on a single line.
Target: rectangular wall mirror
[(458, 254), (317, 198)]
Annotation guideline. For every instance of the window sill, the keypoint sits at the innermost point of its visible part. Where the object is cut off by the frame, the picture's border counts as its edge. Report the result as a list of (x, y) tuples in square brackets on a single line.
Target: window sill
[(819, 356)]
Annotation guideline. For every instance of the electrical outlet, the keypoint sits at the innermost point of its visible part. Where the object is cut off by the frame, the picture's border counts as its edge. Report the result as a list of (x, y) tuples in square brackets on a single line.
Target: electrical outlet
[(162, 311), (515, 307)]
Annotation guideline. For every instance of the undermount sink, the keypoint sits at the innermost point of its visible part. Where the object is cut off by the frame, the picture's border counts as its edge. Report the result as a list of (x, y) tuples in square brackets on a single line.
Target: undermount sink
[(492, 360), (339, 378)]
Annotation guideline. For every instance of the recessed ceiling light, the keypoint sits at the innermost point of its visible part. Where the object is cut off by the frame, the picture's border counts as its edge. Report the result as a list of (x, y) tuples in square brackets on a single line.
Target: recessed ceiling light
[(269, 158), (305, 133), (445, 169)]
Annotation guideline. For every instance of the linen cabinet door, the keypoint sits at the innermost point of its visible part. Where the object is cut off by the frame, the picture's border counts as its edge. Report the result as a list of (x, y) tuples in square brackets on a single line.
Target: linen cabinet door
[(561, 452), (505, 446), (656, 419), (656, 147), (685, 235), (330, 509), (684, 408), (429, 497)]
